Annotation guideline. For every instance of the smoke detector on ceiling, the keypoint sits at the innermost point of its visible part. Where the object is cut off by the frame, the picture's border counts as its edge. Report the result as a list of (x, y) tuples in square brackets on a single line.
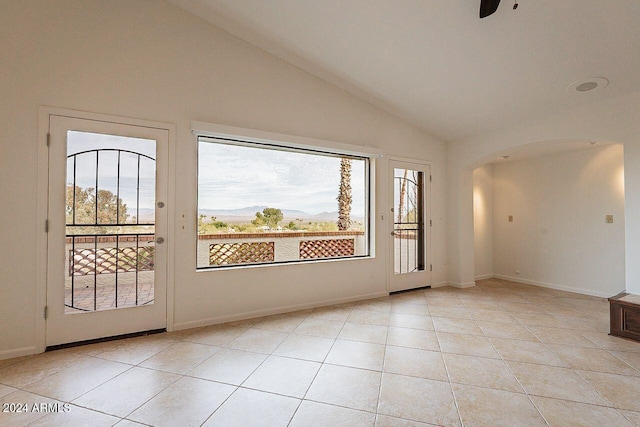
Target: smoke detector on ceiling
[(588, 85)]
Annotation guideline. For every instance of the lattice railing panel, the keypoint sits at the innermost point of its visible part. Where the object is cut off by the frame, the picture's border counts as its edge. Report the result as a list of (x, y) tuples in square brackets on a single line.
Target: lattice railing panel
[(327, 248), (110, 260), (241, 253)]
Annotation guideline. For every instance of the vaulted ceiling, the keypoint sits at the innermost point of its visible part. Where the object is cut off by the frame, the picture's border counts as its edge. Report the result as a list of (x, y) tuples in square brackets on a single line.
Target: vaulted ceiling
[(437, 65)]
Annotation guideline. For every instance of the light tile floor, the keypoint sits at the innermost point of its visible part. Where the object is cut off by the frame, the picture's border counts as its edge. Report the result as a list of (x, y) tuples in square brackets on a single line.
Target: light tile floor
[(498, 354)]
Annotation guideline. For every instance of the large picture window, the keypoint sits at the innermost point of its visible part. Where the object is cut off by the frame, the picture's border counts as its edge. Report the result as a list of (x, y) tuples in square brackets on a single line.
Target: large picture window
[(261, 204)]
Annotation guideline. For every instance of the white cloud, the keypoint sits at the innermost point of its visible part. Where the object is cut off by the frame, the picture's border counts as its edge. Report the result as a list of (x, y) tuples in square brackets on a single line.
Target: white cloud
[(229, 176), (233, 177)]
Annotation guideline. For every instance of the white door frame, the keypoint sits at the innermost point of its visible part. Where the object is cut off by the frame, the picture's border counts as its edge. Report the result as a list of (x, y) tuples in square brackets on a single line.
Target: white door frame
[(425, 165), (45, 114)]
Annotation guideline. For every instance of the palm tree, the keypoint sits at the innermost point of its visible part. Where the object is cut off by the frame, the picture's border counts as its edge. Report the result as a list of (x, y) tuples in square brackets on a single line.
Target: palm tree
[(344, 195), (403, 192)]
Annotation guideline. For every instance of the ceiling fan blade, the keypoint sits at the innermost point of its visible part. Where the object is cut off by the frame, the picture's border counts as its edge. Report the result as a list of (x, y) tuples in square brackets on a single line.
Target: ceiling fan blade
[(488, 7)]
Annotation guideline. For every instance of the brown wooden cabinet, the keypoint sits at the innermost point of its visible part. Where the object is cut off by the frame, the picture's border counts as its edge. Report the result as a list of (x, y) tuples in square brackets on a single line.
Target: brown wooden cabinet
[(625, 316)]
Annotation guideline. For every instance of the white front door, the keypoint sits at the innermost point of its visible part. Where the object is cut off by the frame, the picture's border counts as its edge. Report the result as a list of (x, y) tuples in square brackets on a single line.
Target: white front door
[(107, 219), (410, 257)]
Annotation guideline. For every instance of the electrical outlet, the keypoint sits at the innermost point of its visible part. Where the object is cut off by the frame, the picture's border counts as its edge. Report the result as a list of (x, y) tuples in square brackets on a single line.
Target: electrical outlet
[(608, 219)]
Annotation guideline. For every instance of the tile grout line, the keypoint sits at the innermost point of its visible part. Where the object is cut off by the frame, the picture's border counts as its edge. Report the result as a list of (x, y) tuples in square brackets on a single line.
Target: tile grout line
[(319, 369), (384, 359), (568, 367)]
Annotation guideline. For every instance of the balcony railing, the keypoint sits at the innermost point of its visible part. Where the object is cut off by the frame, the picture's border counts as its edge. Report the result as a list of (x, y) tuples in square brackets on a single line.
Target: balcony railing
[(109, 271), (259, 248)]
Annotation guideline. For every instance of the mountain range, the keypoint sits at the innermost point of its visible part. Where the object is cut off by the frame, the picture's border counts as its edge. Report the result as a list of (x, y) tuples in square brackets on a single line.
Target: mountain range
[(249, 213)]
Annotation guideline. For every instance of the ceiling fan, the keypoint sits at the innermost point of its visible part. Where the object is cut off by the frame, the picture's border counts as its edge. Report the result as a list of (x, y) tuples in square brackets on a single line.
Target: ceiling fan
[(488, 7)]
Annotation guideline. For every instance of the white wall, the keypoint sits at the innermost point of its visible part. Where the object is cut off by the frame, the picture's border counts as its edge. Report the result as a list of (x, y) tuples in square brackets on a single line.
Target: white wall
[(558, 236), (614, 120), (149, 60), (483, 221)]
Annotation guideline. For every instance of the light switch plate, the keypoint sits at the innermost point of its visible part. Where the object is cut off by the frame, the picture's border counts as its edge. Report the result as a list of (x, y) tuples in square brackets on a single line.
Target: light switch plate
[(608, 219)]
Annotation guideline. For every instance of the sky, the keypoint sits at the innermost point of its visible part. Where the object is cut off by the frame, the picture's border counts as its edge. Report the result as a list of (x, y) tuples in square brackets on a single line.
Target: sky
[(229, 176), (233, 177), (85, 166)]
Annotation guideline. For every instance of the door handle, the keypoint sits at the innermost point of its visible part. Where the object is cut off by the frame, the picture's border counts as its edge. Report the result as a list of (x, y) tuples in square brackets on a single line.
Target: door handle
[(160, 240)]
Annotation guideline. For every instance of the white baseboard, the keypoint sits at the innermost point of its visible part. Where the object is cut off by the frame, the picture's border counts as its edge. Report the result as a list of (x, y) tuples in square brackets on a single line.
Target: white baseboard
[(556, 287), (461, 285), (271, 311), (484, 277), (439, 285), (17, 352)]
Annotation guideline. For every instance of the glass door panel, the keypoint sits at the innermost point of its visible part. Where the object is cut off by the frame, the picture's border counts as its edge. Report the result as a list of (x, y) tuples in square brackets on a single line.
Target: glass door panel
[(110, 222), (408, 246)]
